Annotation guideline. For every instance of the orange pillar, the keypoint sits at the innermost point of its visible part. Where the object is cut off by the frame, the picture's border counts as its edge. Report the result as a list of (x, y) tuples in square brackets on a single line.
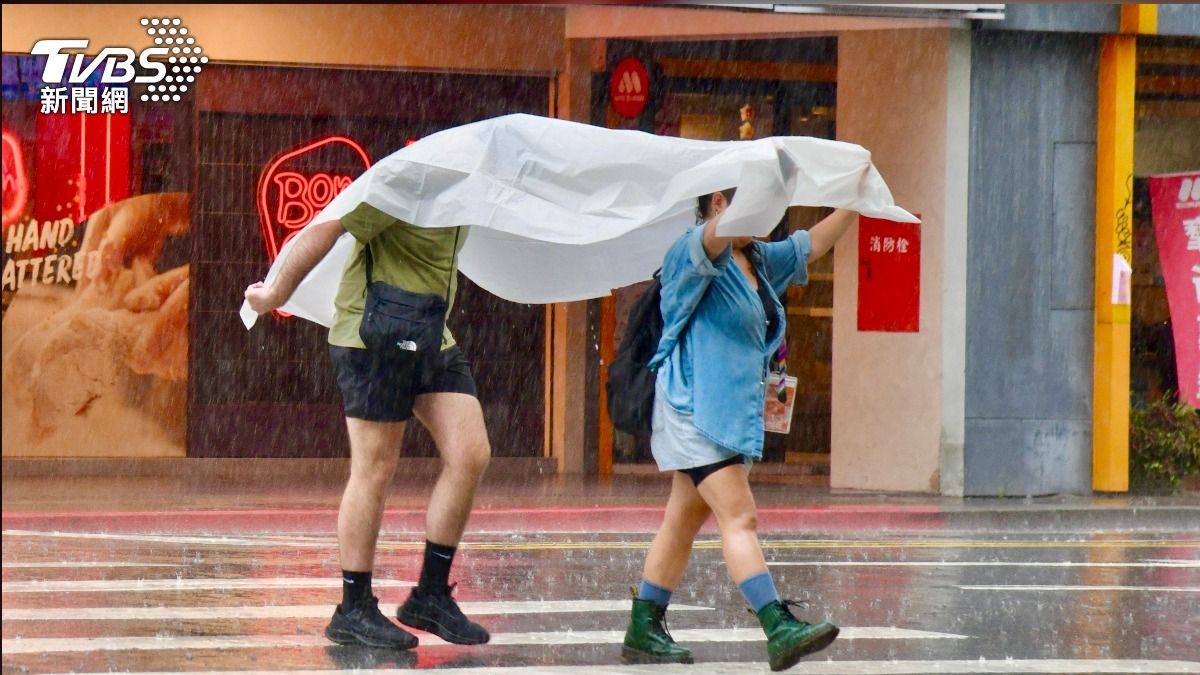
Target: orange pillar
[(1114, 237)]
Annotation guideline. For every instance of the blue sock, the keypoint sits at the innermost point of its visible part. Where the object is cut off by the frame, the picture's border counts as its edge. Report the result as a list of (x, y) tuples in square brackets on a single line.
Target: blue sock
[(759, 590), (656, 594)]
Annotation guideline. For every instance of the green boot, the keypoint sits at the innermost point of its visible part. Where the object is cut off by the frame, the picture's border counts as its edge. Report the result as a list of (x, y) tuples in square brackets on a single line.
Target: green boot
[(647, 639), (788, 638)]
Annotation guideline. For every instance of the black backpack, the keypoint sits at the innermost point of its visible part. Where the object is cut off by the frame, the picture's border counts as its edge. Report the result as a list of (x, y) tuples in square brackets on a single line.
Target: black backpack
[(630, 386)]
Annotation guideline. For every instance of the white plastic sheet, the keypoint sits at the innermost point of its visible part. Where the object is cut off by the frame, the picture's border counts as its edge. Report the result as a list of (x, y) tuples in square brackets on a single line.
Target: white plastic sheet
[(565, 211)]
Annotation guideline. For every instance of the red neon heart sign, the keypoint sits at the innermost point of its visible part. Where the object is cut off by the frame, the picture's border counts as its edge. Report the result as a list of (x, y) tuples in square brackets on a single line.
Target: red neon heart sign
[(297, 184)]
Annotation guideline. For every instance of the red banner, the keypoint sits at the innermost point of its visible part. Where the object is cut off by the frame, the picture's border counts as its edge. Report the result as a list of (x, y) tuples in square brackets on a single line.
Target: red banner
[(889, 275), (1175, 202)]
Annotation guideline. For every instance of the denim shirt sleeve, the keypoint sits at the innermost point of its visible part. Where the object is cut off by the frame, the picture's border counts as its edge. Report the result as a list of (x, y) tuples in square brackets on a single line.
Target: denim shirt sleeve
[(786, 261), (686, 275)]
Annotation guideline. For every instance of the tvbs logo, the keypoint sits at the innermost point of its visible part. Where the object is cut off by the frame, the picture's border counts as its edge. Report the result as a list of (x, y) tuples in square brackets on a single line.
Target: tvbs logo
[(117, 62), (168, 69)]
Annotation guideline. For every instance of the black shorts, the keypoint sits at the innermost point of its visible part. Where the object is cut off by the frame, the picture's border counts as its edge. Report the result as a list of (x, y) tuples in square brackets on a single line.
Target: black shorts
[(383, 389), (699, 473)]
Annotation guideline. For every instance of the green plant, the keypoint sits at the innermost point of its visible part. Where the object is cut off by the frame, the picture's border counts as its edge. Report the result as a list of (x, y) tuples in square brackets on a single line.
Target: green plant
[(1164, 445)]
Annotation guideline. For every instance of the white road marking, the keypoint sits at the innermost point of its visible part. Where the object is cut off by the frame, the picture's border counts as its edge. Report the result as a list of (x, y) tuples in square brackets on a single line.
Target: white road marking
[(159, 643), (104, 585), (307, 611), (1156, 589), (78, 564), (202, 540), (814, 667), (950, 563), (582, 637)]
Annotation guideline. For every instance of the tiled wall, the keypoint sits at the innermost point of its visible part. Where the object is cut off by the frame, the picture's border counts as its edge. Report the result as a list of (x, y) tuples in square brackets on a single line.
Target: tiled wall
[(270, 392)]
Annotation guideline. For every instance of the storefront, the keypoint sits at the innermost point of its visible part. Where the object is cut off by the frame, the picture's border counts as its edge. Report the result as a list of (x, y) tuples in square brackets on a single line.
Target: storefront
[(736, 90), (260, 169), (1167, 141), (132, 230), (144, 356)]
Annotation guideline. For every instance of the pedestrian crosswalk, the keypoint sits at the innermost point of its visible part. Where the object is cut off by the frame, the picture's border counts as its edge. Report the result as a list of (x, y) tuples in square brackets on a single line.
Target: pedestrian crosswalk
[(126, 582), (189, 603)]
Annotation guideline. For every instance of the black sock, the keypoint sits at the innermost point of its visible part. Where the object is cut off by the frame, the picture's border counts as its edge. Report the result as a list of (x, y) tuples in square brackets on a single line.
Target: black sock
[(356, 587), (435, 572)]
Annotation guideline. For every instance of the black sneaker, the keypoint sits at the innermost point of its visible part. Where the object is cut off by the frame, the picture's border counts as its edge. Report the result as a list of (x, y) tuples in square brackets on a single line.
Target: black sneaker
[(440, 615), (362, 657), (364, 624)]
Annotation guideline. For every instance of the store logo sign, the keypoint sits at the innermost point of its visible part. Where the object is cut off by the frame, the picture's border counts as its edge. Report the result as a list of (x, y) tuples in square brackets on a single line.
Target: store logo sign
[(297, 184), (94, 87), (631, 83), (629, 89)]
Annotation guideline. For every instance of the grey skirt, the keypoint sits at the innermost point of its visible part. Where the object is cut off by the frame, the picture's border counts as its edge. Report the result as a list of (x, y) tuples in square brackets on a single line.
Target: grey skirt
[(677, 444)]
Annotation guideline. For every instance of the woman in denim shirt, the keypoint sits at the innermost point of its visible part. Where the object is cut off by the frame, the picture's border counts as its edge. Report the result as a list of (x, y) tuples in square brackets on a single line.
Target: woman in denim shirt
[(722, 320)]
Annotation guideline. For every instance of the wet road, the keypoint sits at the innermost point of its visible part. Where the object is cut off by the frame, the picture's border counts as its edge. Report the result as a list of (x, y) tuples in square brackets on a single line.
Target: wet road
[(99, 584)]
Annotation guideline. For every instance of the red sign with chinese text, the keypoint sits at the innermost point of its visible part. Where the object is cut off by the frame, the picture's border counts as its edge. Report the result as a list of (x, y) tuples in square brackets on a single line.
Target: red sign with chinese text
[(1175, 203), (629, 89), (889, 275)]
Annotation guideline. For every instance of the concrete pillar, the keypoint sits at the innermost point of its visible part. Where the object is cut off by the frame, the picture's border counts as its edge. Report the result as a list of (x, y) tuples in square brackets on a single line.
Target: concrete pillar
[(898, 415)]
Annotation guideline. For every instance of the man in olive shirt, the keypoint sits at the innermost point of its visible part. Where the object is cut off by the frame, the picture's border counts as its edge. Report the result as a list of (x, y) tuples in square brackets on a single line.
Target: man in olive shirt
[(379, 398)]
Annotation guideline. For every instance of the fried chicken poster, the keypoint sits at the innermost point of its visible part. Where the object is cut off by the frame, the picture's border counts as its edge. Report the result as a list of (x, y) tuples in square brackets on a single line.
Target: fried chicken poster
[(96, 335)]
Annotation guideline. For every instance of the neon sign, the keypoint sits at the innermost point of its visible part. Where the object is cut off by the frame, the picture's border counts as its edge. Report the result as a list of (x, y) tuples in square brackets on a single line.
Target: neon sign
[(16, 183), (302, 197), (289, 197)]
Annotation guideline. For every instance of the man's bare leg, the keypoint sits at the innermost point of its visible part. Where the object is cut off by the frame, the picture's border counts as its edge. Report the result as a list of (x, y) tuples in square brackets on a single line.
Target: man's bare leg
[(374, 449), (455, 421)]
